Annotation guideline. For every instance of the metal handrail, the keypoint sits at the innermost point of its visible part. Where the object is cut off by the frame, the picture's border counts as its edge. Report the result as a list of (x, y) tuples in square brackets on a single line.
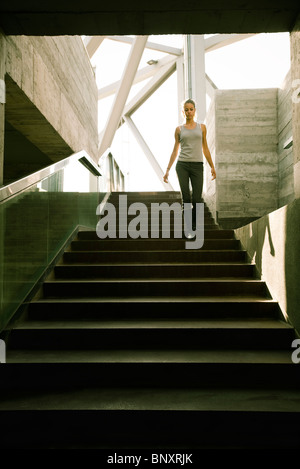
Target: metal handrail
[(22, 184)]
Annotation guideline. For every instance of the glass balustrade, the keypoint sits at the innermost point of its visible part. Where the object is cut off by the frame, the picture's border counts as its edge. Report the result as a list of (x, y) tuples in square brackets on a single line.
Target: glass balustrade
[(38, 216)]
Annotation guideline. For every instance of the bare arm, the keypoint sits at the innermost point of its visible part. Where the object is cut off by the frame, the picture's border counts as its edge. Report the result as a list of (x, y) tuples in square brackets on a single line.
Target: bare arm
[(206, 152), (173, 154)]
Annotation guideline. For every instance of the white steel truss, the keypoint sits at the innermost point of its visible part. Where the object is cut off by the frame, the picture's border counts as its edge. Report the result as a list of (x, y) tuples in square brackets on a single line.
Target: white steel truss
[(122, 93), (192, 81), (148, 153)]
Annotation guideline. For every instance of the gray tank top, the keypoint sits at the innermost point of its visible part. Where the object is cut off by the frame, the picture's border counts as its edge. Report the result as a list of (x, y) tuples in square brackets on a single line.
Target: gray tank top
[(190, 144)]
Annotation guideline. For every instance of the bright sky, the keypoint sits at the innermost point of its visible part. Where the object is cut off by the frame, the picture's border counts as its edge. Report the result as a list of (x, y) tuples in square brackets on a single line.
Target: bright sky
[(261, 61)]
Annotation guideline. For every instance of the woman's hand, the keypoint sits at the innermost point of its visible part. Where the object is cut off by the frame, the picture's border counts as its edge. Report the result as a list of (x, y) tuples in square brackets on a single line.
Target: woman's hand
[(166, 176), (213, 174)]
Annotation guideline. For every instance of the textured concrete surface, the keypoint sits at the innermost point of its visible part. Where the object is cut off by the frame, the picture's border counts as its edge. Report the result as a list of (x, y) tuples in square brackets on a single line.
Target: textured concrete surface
[(2, 105), (256, 174), (160, 399), (273, 244), (244, 146), (51, 94), (286, 192), (295, 72)]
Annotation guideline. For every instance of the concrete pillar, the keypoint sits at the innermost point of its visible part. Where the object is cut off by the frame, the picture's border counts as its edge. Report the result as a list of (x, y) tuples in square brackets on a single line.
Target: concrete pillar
[(195, 86), (295, 76), (188, 91), (198, 75), (2, 102)]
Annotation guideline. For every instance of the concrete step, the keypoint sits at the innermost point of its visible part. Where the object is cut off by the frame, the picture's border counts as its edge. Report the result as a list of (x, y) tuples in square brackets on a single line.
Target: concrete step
[(151, 308), (60, 370), (149, 244), (146, 210), (155, 288), (156, 356), (142, 256), (146, 219), (144, 194), (176, 399), (90, 271), (181, 432), (131, 206), (209, 234), (164, 334), (153, 231)]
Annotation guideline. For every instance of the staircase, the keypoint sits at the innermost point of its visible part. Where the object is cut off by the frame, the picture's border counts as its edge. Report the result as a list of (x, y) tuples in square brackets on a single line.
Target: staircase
[(142, 343)]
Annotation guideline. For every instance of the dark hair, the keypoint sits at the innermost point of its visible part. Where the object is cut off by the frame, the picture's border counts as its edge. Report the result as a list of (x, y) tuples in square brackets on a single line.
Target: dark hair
[(190, 101)]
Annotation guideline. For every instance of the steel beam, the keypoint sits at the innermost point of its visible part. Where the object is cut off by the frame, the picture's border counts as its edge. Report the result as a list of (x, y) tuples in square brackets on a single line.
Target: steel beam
[(221, 40), (92, 44), (180, 86), (161, 76), (141, 75), (121, 96), (146, 150), (150, 45), (191, 78), (210, 87)]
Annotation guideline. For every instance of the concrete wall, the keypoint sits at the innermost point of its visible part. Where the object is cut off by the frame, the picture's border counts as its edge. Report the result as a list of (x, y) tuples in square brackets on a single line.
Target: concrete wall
[(273, 240), (2, 102), (245, 155), (209, 187), (295, 77), (256, 172), (273, 243), (51, 93), (285, 155)]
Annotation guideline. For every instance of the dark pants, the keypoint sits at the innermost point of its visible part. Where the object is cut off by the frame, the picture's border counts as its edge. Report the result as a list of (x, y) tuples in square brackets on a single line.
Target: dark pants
[(190, 172)]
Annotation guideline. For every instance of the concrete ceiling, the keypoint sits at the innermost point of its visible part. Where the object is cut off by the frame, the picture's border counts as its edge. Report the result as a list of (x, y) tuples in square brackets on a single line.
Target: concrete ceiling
[(96, 17), (25, 117)]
